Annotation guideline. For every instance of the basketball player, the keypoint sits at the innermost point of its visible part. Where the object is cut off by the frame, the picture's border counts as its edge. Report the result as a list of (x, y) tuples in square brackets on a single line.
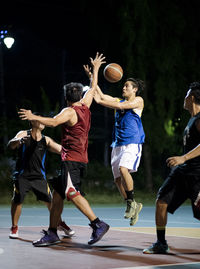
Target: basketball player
[(30, 172), (184, 180), (128, 137), (75, 121)]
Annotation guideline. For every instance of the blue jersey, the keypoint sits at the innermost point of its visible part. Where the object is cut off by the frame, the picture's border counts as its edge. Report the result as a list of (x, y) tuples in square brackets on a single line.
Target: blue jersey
[(128, 128)]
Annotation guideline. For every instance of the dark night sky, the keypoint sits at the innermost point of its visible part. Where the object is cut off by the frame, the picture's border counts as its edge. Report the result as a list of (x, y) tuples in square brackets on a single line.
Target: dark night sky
[(52, 43)]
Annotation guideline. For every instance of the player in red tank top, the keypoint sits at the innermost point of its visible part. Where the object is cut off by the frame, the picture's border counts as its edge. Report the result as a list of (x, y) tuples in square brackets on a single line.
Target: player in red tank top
[(75, 121), (75, 138)]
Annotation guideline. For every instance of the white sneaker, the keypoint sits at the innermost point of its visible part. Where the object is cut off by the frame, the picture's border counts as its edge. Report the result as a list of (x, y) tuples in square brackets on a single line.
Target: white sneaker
[(134, 218), (130, 209), (13, 232), (66, 229)]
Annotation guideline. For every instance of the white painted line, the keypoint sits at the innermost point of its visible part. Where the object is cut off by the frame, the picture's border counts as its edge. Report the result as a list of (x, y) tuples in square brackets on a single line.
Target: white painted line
[(162, 265)]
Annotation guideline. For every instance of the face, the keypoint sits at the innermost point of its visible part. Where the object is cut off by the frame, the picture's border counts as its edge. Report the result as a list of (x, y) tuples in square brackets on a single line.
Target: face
[(188, 100), (128, 90)]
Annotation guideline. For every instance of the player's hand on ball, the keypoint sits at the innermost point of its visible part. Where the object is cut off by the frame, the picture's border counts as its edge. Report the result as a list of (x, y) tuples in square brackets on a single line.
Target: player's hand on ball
[(176, 160), (25, 114)]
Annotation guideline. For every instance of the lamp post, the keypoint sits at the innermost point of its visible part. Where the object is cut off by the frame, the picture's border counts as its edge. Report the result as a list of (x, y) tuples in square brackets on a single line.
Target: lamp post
[(8, 41)]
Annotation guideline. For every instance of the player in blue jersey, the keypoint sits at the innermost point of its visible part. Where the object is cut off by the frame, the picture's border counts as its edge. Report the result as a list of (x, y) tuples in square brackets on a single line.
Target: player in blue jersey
[(128, 137), (30, 172)]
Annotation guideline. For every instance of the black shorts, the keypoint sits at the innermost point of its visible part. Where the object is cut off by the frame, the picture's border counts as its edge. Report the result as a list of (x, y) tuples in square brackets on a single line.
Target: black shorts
[(177, 188), (76, 171), (39, 187)]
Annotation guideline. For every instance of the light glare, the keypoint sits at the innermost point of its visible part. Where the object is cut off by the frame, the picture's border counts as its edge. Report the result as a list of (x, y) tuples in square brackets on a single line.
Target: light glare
[(8, 42)]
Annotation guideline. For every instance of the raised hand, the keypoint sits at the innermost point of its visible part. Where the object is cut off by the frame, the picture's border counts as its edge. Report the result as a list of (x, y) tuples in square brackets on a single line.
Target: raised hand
[(87, 70), (25, 114), (98, 60)]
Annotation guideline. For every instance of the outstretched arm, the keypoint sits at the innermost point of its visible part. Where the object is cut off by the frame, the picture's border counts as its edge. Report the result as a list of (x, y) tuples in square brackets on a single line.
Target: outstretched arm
[(53, 146), (96, 63), (176, 160), (18, 140), (64, 116), (111, 102)]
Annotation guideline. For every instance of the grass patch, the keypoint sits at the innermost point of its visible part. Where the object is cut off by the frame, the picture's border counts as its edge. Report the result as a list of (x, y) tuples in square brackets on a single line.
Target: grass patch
[(94, 198)]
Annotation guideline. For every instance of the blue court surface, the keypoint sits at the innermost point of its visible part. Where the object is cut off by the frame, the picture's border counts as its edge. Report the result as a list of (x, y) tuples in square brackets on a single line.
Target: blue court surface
[(121, 247)]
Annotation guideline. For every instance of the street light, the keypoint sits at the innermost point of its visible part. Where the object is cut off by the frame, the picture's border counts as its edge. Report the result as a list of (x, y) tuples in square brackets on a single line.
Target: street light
[(8, 41)]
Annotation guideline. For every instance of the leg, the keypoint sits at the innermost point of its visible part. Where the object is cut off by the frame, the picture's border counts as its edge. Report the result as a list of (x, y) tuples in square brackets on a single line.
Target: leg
[(99, 227), (127, 185), (82, 204), (127, 178), (161, 213), (160, 247), (120, 186), (50, 237), (56, 210), (15, 215), (62, 226)]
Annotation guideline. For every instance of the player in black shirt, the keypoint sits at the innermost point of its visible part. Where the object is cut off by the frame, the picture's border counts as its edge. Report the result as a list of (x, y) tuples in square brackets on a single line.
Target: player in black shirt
[(184, 180), (30, 172)]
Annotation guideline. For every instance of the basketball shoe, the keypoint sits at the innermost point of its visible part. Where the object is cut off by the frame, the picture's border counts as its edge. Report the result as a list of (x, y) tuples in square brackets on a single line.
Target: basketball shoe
[(134, 218), (66, 229), (99, 229), (13, 232), (157, 248), (49, 238), (130, 209)]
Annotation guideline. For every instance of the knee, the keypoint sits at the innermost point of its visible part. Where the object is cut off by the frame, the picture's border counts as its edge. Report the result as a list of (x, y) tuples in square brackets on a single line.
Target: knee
[(123, 170), (117, 180), (56, 197), (160, 204), (72, 193)]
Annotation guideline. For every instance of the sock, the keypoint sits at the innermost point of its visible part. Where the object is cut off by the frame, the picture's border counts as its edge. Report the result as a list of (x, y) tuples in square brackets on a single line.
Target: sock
[(54, 230), (130, 195), (160, 230), (95, 221)]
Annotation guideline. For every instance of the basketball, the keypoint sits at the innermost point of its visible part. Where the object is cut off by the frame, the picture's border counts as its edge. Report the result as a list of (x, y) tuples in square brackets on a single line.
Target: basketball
[(113, 72)]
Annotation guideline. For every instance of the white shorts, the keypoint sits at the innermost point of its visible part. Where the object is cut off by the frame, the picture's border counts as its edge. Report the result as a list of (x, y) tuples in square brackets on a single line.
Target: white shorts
[(126, 156)]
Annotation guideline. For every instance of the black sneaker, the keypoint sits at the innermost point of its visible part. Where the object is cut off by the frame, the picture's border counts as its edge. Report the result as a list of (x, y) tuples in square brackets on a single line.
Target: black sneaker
[(99, 229), (157, 248), (49, 238)]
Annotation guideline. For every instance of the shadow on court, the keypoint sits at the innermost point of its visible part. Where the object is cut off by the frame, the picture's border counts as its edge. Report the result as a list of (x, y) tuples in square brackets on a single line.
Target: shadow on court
[(117, 249)]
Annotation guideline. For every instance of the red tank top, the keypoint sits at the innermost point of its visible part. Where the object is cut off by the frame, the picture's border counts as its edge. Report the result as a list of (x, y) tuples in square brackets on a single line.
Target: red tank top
[(75, 138)]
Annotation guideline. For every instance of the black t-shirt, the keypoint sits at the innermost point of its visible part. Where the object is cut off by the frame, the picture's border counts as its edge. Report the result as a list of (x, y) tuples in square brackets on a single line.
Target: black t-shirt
[(31, 158), (191, 139)]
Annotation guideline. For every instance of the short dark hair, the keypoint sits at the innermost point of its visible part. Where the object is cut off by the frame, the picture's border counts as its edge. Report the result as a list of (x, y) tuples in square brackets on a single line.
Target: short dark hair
[(195, 91), (138, 83), (73, 92)]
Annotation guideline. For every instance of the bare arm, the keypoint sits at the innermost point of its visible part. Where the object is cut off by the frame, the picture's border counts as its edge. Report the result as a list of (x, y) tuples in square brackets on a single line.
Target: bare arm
[(19, 139), (176, 160), (64, 116), (103, 97), (96, 63), (114, 103), (53, 146)]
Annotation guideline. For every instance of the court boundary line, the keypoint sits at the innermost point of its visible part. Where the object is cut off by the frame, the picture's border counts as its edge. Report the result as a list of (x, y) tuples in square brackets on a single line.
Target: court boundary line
[(116, 229), (158, 266), (113, 229)]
